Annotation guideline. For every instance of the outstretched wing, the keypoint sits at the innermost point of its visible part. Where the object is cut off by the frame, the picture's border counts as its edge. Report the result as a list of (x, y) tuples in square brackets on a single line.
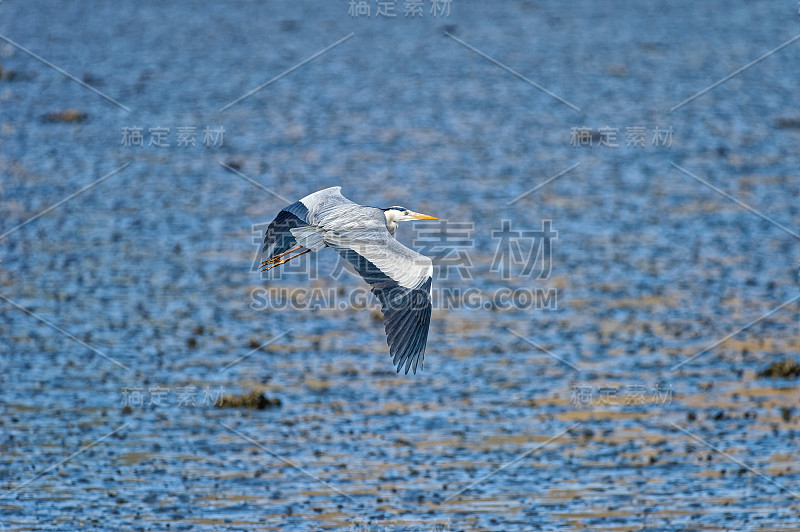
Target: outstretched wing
[(297, 223), (401, 279)]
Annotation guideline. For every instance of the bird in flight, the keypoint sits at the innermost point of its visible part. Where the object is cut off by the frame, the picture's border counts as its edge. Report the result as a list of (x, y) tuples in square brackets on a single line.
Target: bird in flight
[(364, 237)]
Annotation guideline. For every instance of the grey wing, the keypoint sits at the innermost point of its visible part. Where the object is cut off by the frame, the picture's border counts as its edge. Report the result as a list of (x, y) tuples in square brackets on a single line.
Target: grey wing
[(322, 202), (298, 223), (401, 279)]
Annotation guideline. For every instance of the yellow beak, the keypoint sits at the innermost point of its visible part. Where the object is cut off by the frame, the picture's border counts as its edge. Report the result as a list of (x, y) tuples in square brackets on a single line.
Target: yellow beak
[(420, 216)]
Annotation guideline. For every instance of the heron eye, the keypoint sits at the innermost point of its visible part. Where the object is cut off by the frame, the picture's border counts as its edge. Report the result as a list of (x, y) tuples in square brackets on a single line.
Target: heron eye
[(406, 213)]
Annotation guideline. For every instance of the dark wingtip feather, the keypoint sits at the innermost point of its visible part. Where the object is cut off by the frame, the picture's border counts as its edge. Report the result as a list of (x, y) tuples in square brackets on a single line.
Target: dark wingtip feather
[(406, 311)]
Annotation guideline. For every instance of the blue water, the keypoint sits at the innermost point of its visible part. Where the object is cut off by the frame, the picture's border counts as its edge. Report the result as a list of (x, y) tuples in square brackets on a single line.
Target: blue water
[(146, 277)]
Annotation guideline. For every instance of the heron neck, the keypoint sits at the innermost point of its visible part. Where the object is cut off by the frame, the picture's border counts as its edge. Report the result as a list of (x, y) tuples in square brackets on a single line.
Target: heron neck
[(392, 217)]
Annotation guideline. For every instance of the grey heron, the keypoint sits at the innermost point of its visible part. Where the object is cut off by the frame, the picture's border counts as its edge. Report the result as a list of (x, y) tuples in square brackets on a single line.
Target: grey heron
[(364, 237)]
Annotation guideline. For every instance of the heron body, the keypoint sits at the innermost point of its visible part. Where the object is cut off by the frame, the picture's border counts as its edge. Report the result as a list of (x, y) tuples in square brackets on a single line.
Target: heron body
[(364, 237)]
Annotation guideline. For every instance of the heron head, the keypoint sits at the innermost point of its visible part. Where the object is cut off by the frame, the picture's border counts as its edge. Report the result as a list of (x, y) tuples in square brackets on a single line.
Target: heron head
[(401, 214)]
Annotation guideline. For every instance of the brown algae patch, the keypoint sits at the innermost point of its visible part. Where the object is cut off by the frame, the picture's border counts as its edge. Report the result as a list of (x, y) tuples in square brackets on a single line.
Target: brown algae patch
[(255, 400), (785, 369)]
